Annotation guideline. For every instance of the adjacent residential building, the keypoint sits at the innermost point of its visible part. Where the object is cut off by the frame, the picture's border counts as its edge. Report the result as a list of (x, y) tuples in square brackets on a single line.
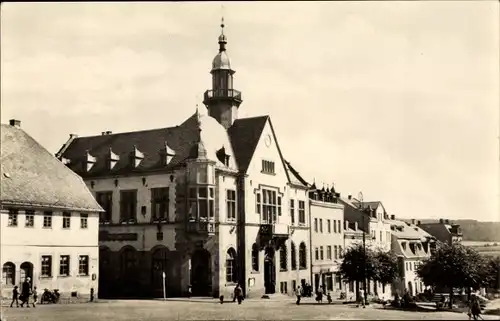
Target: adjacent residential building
[(48, 220), (444, 231), (327, 238), (371, 218), (210, 202), (412, 245)]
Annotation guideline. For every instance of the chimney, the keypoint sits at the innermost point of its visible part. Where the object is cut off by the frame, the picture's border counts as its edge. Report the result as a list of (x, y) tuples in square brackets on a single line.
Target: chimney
[(355, 226), (15, 123), (73, 136), (413, 221), (109, 132), (441, 221), (349, 197), (447, 221), (103, 133), (419, 222), (393, 217)]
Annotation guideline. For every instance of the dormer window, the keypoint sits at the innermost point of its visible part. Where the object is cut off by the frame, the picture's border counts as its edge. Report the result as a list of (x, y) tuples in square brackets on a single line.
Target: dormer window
[(88, 162), (403, 245), (222, 156), (112, 159), (167, 154), (267, 167), (136, 157), (412, 247)]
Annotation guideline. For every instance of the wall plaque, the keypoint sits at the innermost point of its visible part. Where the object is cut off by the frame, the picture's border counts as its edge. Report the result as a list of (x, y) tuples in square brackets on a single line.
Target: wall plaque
[(118, 237)]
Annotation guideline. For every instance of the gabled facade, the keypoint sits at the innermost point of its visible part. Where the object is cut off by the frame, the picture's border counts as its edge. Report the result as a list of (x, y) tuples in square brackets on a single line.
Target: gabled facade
[(48, 220), (210, 202), (412, 245)]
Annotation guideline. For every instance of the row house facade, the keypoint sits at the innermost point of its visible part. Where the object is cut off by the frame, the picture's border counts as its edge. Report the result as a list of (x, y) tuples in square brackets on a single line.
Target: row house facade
[(211, 202), (48, 220), (412, 245), (327, 239)]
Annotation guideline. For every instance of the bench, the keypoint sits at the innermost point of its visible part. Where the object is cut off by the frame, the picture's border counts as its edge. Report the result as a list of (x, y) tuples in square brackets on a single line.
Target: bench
[(437, 299)]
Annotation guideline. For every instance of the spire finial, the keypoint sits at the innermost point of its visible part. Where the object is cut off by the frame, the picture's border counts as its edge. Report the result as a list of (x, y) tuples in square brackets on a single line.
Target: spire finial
[(222, 37)]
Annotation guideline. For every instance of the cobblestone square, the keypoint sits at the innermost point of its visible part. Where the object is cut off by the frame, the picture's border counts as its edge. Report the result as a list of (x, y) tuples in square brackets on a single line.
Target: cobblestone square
[(136, 310)]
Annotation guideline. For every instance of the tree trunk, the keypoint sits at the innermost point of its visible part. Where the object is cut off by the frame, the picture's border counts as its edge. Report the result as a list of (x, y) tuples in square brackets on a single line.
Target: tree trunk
[(450, 303), (468, 294)]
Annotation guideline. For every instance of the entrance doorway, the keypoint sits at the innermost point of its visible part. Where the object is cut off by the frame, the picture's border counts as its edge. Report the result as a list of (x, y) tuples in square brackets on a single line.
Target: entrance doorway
[(160, 266), (201, 276), (26, 271), (269, 271)]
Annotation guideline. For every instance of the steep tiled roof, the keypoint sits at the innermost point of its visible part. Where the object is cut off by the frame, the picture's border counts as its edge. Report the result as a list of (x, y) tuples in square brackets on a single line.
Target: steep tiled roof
[(149, 142), (245, 134), (295, 177), (407, 230), (31, 176)]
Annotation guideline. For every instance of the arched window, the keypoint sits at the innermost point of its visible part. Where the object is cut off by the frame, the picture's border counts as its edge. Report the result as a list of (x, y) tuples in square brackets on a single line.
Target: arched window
[(302, 256), (128, 259), (255, 257), (231, 266), (293, 254), (9, 273), (283, 258)]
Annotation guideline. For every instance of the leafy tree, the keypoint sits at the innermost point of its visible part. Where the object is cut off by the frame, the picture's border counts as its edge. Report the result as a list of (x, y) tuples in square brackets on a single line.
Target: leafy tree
[(492, 272), (454, 266), (386, 267), (352, 264)]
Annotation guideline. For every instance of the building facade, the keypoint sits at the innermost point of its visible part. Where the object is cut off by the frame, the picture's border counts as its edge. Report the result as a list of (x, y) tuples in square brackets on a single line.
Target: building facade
[(48, 220), (412, 245), (327, 239), (444, 231), (211, 202)]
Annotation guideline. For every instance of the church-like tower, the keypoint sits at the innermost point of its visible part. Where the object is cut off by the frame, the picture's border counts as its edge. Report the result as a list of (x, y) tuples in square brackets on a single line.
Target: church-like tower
[(222, 100)]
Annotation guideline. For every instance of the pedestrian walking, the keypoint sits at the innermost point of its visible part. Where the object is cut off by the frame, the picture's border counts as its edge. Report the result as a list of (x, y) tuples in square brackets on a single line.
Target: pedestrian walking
[(298, 293), (238, 294), (15, 296), (35, 296), (26, 292)]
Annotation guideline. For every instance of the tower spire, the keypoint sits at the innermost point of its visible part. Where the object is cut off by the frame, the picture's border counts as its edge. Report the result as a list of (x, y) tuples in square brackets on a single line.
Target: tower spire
[(222, 37)]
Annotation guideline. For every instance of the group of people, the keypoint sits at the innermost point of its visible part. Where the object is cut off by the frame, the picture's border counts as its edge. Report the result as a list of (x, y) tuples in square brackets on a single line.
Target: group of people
[(306, 290), (26, 292), (474, 308)]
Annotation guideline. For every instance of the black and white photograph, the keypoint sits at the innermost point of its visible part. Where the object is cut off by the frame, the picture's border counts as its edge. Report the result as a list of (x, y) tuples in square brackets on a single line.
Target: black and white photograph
[(254, 160)]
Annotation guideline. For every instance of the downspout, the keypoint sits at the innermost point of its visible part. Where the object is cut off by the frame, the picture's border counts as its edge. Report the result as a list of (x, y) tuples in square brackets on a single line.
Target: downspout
[(310, 241)]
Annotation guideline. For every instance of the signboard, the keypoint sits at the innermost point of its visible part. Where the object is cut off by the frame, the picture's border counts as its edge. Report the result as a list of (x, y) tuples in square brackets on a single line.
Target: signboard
[(118, 237)]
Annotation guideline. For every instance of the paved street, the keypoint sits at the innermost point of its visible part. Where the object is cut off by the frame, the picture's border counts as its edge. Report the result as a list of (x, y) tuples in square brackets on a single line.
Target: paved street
[(135, 310)]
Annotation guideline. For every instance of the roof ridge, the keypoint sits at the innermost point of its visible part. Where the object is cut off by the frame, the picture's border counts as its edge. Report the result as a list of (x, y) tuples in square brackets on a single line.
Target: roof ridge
[(130, 132)]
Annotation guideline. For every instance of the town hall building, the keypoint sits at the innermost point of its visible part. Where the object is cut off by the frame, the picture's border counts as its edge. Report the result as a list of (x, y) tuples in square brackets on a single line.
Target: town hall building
[(210, 202)]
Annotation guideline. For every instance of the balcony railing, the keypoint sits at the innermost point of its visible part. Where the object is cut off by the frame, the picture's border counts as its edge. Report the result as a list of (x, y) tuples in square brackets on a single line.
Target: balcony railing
[(222, 93), (200, 227), (275, 229)]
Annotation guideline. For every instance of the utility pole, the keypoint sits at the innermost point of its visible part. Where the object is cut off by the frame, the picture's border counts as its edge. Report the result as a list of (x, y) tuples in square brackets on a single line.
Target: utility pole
[(360, 196)]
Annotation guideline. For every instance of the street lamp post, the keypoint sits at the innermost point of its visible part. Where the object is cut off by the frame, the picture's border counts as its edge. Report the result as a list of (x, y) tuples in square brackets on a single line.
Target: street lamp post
[(360, 196)]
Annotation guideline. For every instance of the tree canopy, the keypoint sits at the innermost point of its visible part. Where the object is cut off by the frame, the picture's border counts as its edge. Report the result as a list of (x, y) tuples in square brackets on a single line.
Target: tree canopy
[(454, 266), (386, 267), (351, 267)]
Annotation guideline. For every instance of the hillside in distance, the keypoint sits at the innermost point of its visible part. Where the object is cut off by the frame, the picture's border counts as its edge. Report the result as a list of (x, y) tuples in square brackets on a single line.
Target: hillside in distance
[(475, 230)]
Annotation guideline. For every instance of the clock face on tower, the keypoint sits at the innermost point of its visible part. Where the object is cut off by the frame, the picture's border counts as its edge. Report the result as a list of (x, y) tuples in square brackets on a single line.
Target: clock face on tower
[(268, 140)]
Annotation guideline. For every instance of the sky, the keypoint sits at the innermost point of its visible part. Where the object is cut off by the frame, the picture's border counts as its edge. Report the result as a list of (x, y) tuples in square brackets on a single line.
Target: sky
[(399, 100)]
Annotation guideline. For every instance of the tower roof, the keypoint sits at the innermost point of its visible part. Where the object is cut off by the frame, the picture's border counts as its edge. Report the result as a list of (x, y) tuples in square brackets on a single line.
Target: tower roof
[(221, 60)]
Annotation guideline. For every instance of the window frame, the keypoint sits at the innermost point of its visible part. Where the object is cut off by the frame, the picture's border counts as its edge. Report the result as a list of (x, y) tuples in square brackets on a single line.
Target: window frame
[(105, 200), (231, 266), (195, 198), (64, 265), (231, 205), (292, 211), (160, 204), (302, 256), (255, 257), (268, 167), (83, 265), (29, 216), (128, 206), (13, 218), (329, 252), (302, 212), (84, 221), (66, 220), (47, 219), (9, 274), (46, 266)]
